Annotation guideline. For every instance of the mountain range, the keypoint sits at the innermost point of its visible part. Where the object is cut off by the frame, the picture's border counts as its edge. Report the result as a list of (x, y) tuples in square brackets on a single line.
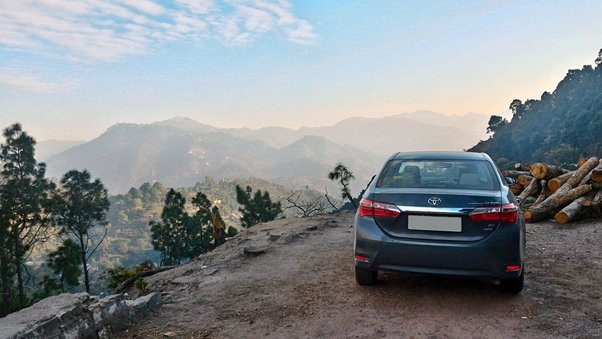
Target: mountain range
[(181, 152)]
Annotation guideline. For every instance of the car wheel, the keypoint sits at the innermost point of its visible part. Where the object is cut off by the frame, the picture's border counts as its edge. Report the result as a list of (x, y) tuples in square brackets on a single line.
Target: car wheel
[(365, 277), (514, 285)]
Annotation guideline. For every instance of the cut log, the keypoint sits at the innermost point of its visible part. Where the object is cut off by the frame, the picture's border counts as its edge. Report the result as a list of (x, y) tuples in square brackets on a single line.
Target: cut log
[(544, 193), (570, 212), (588, 177), (582, 171), (543, 171), (516, 188), (581, 161), (514, 174), (522, 167), (524, 179), (530, 190), (597, 199), (561, 197), (555, 183), (597, 175)]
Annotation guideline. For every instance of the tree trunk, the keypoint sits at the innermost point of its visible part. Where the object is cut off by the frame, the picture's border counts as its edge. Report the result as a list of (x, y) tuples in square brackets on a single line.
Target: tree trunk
[(6, 283), (532, 189), (513, 174), (582, 171), (597, 175), (543, 171), (516, 188), (18, 266), (522, 167), (524, 180), (588, 177), (543, 194), (570, 212), (555, 183), (84, 263), (561, 197)]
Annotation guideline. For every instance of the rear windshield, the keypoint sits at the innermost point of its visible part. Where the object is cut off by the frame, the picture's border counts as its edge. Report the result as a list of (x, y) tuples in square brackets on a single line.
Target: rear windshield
[(452, 174)]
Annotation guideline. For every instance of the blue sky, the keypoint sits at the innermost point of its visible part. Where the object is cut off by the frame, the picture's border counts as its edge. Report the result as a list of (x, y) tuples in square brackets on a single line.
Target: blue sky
[(70, 69)]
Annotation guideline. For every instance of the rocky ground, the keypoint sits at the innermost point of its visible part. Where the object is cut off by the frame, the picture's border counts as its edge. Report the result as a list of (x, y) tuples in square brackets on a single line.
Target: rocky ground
[(297, 280)]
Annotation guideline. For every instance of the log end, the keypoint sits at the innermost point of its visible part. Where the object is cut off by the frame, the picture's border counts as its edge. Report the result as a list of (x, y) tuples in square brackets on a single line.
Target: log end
[(562, 218), (527, 215), (553, 185), (539, 171)]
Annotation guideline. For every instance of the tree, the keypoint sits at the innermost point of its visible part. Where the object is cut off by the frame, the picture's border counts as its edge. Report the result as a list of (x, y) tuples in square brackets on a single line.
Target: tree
[(24, 201), (257, 207), (66, 266), (201, 230), (170, 236), (495, 122), (82, 206), (599, 58), (344, 176)]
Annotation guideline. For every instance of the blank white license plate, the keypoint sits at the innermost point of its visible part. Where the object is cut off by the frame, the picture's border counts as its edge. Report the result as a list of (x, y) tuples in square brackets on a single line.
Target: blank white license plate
[(427, 223)]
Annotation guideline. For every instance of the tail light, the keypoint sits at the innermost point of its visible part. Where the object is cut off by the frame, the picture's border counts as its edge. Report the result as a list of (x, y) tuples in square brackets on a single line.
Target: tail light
[(502, 213), (369, 208)]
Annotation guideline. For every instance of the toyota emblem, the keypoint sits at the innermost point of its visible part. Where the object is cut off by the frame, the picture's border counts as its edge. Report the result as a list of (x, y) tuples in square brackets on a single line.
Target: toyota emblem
[(434, 201)]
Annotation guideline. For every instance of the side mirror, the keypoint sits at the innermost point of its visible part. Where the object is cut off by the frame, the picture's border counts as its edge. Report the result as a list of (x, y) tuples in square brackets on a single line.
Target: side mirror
[(510, 181)]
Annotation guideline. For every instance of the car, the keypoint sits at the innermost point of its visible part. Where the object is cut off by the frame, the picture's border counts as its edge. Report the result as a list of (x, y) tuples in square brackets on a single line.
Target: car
[(440, 213)]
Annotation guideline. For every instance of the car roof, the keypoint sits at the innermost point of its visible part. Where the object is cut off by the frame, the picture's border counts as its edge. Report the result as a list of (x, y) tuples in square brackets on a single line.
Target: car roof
[(440, 155)]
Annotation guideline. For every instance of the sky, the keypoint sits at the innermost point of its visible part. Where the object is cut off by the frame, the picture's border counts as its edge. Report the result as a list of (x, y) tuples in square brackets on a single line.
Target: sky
[(69, 69)]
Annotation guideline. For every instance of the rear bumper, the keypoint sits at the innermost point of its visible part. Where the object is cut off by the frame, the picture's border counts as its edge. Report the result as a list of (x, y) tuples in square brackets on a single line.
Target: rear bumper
[(485, 258)]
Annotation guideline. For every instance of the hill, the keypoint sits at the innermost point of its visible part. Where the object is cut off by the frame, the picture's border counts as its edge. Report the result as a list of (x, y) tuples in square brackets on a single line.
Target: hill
[(417, 131), (128, 237), (47, 148), (179, 153), (558, 128)]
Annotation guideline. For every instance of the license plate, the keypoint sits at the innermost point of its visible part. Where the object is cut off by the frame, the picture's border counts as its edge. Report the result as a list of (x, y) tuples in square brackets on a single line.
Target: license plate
[(428, 223)]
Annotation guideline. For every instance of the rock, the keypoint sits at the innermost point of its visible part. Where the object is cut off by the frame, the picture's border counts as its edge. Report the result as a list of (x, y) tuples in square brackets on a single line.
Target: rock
[(76, 316), (211, 271), (184, 280), (254, 251), (169, 334), (274, 237), (140, 307), (289, 238), (312, 228)]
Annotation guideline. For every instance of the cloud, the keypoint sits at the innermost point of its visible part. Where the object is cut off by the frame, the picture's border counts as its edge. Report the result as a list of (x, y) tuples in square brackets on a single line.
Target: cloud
[(25, 82), (107, 30)]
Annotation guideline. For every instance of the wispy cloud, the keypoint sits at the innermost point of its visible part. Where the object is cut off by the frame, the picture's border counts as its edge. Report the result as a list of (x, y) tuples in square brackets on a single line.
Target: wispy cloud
[(106, 30), (26, 82)]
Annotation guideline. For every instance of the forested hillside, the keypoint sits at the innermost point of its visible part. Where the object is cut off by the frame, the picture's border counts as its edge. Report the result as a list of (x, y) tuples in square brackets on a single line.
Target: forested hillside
[(558, 128), (128, 238)]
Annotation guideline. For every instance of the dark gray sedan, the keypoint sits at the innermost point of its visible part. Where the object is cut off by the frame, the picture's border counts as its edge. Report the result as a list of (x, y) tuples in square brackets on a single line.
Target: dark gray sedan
[(441, 213)]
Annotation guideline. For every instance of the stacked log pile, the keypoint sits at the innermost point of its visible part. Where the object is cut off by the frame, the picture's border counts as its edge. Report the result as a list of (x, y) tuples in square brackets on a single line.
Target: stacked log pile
[(546, 191)]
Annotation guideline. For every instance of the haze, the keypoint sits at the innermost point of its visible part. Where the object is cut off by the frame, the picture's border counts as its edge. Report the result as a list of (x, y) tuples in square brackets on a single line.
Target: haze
[(69, 70)]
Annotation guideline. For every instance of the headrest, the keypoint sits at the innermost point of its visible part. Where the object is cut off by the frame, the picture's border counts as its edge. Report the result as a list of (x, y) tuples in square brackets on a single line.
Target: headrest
[(469, 179)]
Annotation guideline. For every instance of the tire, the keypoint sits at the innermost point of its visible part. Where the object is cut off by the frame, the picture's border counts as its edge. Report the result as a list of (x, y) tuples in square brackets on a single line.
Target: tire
[(514, 285), (365, 277)]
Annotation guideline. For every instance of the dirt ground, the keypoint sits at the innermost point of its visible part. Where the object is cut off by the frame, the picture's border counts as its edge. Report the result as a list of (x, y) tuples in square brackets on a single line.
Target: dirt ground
[(304, 286)]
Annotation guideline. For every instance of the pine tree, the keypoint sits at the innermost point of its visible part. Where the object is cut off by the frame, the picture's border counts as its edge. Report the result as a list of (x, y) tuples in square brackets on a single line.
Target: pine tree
[(257, 207), (82, 206), (66, 266), (201, 227), (170, 236), (344, 176), (24, 201)]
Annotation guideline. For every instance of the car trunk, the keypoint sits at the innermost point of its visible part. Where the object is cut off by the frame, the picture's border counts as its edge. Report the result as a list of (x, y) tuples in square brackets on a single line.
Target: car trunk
[(445, 218)]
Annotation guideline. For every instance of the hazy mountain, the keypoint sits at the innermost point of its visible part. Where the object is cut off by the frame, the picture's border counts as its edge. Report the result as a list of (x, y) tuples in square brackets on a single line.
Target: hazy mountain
[(128, 155), (416, 131), (47, 148), (420, 130)]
